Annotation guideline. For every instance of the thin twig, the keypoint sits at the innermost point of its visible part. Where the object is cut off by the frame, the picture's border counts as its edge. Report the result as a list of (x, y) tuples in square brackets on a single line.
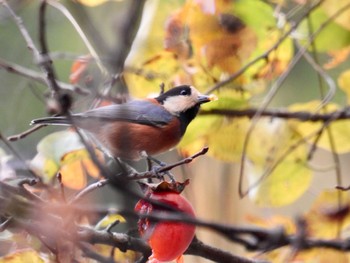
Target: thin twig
[(19, 22), (5, 224), (17, 155), (155, 174), (39, 77), (24, 134), (45, 59), (81, 33), (88, 189)]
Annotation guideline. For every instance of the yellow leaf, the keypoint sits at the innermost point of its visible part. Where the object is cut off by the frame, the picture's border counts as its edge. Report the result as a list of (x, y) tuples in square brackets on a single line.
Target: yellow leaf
[(155, 70), (219, 38), (322, 255), (73, 175), (333, 6), (344, 83), (50, 168), (324, 218), (119, 256), (276, 164), (316, 255), (110, 219), (340, 129), (75, 166), (197, 131), (283, 186), (44, 167), (273, 222), (22, 256), (224, 136), (226, 142)]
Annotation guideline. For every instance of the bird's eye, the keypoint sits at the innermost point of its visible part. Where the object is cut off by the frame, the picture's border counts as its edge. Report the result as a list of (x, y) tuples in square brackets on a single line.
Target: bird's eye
[(184, 92)]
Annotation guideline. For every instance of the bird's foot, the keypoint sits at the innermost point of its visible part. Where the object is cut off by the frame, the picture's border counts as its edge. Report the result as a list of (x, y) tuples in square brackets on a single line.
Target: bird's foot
[(157, 169)]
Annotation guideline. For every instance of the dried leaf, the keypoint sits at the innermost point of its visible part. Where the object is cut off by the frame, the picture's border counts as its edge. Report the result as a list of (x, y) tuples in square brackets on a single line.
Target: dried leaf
[(78, 69), (337, 57)]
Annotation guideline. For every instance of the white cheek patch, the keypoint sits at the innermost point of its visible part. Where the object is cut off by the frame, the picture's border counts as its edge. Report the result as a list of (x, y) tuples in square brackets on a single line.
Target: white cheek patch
[(178, 104)]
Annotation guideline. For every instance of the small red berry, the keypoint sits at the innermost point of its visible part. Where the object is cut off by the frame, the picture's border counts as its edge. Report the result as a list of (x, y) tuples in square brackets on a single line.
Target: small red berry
[(168, 240)]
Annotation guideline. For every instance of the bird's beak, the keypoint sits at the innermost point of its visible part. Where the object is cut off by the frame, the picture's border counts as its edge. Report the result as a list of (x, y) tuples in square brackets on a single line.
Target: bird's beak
[(206, 98)]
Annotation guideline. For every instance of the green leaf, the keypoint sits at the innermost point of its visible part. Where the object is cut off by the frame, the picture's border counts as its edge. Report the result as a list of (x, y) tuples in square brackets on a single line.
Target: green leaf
[(256, 14), (332, 37)]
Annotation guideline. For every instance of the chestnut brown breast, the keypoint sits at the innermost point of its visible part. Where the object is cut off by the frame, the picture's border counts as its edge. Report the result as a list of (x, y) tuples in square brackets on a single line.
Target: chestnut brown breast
[(135, 138)]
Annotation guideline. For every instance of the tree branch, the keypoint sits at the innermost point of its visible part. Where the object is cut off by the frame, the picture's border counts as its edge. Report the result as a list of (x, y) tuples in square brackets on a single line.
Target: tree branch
[(342, 114), (38, 77)]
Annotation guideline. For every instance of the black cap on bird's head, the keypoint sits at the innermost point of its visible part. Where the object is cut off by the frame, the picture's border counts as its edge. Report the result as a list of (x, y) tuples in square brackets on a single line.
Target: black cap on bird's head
[(184, 102)]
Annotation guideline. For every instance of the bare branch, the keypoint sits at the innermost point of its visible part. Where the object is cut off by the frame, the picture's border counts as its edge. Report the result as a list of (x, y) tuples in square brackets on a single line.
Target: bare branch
[(39, 77), (89, 189), (304, 116), (45, 60), (198, 248), (155, 174), (17, 155)]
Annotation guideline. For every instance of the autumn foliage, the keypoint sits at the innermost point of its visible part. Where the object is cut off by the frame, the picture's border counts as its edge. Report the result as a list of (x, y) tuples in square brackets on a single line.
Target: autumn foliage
[(278, 135)]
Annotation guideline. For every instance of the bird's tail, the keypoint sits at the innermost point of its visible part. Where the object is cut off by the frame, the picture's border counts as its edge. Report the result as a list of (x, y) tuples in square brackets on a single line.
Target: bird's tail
[(59, 120)]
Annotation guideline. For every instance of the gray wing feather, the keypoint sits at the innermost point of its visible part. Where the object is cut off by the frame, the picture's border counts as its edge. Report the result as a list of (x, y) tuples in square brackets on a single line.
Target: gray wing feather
[(137, 111)]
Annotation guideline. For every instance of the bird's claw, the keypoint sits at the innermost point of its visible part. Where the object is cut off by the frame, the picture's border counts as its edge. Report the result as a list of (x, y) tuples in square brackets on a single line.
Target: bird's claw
[(157, 170)]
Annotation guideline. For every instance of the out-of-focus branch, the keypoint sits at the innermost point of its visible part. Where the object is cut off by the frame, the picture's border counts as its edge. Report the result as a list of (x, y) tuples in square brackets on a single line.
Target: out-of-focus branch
[(342, 114), (38, 77), (42, 58), (125, 34), (252, 238), (45, 59), (198, 248)]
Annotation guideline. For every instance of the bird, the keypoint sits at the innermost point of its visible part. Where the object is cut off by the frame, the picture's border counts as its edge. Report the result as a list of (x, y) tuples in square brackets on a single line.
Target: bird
[(142, 126)]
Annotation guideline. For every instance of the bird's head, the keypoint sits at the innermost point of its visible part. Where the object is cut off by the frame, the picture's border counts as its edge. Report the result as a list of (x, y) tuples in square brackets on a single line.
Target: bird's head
[(182, 99), (184, 102)]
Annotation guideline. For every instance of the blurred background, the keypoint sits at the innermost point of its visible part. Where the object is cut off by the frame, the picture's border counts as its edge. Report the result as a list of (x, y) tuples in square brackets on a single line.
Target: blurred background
[(213, 190)]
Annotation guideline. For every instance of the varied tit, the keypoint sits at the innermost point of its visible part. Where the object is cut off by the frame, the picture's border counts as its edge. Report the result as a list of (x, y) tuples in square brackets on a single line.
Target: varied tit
[(150, 125)]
